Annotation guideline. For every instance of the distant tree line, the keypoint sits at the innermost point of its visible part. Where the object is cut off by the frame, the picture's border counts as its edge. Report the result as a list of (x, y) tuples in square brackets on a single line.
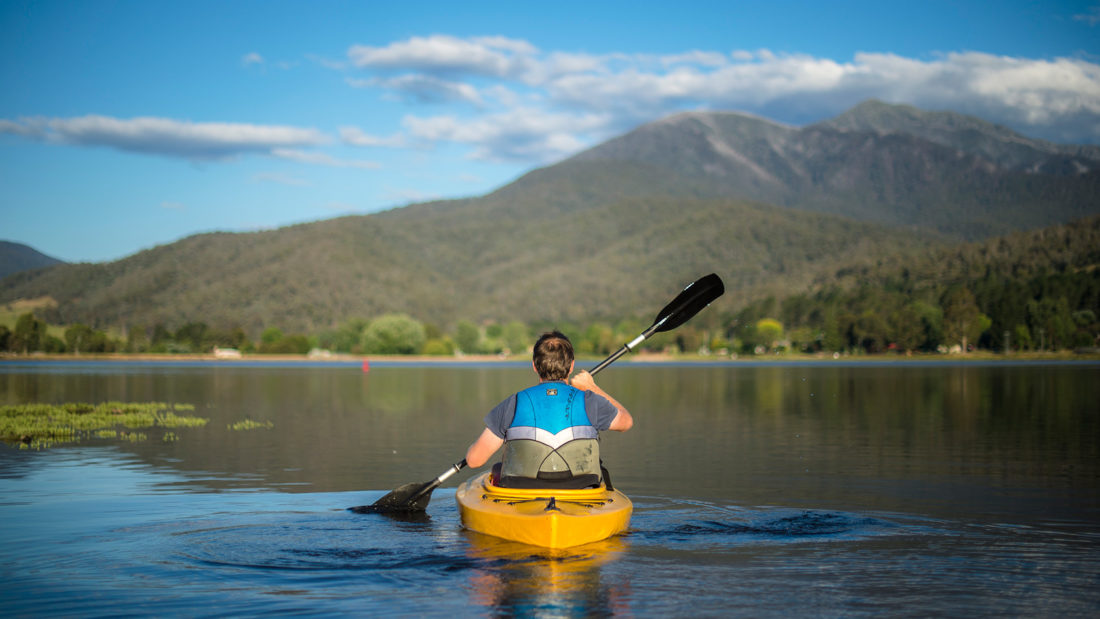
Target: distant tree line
[(1055, 311), (1051, 313), (968, 300)]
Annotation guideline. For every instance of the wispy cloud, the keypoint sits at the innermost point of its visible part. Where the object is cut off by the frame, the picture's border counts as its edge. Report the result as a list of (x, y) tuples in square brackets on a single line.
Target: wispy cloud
[(281, 179), (422, 88), (520, 134), (164, 136), (1090, 17), (355, 136), (324, 159)]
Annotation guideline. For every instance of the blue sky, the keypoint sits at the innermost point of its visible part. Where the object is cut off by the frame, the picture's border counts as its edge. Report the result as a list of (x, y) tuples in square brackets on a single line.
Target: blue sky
[(129, 124)]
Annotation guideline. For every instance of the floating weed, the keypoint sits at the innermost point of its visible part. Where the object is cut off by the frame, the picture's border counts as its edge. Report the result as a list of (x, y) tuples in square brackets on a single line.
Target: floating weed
[(249, 424), (38, 426)]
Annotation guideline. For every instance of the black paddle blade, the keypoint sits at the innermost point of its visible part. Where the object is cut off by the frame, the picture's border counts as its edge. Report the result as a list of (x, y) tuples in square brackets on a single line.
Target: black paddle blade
[(695, 297), (398, 501)]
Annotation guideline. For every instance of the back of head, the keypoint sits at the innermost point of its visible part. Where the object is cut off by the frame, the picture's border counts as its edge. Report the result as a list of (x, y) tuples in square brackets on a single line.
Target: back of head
[(553, 356)]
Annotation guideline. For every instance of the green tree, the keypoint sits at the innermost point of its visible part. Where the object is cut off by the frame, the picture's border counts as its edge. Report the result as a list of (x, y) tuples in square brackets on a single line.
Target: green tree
[(270, 336), (598, 339), (344, 338), (439, 346), (931, 319), (517, 337), (963, 321), (52, 345), (393, 334), (161, 337), (137, 340), (468, 337), (907, 328), (80, 338), (870, 332), (1053, 321), (769, 331), (193, 336), (294, 344), (29, 334), (1022, 338)]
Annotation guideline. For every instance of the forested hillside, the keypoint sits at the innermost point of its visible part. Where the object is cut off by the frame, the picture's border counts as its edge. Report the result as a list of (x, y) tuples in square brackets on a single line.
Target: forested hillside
[(1026, 291), (441, 265), (863, 247)]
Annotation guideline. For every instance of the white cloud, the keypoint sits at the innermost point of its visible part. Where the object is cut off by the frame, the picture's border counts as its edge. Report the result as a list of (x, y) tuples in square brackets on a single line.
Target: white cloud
[(521, 134), (408, 196), (532, 105), (443, 54), (695, 57), (510, 101), (423, 88), (356, 137), (281, 179), (164, 136), (316, 158)]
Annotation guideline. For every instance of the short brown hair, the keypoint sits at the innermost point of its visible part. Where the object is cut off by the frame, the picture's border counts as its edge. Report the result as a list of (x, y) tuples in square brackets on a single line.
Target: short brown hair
[(553, 356)]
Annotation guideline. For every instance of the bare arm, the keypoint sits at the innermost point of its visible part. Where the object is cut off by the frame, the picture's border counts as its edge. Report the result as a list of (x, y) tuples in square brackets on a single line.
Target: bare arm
[(483, 448), (622, 421)]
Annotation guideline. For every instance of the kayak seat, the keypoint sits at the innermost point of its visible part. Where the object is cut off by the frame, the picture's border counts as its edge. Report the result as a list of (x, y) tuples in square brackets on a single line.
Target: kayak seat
[(562, 480)]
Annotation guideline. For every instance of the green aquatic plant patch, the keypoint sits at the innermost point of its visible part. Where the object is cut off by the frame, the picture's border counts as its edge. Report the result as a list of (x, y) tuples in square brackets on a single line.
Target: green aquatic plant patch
[(42, 425), (249, 424)]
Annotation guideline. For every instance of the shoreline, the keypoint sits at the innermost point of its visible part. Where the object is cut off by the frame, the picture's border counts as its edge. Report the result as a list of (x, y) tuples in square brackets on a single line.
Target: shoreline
[(640, 358)]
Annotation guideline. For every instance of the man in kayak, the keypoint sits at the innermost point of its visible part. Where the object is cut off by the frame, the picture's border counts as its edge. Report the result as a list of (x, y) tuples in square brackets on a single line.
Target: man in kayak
[(550, 432)]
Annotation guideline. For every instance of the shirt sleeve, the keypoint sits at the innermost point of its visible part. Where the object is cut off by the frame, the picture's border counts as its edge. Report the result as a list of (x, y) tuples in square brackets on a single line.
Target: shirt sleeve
[(501, 416), (601, 412)]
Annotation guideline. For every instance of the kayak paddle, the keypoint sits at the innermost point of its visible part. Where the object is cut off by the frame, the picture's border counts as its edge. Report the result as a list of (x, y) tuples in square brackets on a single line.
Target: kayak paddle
[(410, 497), (414, 497), (697, 295)]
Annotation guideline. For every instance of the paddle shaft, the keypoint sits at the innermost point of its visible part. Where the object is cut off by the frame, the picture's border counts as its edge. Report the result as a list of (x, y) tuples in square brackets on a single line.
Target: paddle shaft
[(628, 347), (432, 485), (693, 298)]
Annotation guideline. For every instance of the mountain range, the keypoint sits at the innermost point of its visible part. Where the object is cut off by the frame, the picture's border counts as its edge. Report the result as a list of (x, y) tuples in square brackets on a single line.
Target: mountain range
[(16, 257), (773, 209)]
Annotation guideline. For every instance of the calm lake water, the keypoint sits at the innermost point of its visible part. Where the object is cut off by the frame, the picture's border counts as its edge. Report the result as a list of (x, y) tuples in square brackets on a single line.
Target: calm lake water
[(827, 489)]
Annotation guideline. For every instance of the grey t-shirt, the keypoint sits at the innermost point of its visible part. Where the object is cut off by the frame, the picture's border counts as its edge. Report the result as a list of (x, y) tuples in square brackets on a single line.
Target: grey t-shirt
[(601, 412)]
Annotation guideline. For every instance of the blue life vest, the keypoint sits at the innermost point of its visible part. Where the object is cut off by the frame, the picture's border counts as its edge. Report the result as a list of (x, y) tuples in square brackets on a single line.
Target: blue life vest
[(551, 439)]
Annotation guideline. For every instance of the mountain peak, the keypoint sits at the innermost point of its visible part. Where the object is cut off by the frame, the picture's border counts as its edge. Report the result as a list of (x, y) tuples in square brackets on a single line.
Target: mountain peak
[(995, 143), (17, 257)]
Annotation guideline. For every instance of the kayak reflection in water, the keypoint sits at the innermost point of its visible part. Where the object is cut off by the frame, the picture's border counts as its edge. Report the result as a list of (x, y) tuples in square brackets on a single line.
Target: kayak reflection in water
[(512, 580), (550, 431)]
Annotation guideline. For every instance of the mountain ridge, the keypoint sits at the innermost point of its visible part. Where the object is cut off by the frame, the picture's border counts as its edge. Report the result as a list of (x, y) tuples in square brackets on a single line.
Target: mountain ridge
[(773, 209), (16, 257)]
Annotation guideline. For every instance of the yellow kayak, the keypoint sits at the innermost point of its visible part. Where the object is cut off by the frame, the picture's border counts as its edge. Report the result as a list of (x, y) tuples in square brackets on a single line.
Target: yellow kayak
[(547, 518)]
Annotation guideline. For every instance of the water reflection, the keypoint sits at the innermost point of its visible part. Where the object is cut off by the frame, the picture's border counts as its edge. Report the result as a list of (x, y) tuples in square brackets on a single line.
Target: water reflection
[(903, 437), (521, 580)]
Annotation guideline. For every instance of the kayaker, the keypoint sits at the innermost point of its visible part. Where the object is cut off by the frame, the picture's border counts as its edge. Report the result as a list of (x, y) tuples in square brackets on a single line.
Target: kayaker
[(550, 431)]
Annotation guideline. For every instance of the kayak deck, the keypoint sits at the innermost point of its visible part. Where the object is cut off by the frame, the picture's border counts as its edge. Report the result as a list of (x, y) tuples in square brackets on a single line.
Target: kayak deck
[(543, 517)]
